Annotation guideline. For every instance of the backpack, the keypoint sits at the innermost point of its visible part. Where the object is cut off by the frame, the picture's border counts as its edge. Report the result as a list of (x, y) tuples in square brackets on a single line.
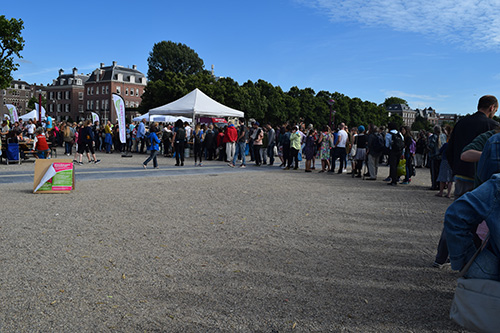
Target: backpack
[(413, 146), (197, 138), (181, 134), (286, 139), (148, 138), (378, 143), (397, 142)]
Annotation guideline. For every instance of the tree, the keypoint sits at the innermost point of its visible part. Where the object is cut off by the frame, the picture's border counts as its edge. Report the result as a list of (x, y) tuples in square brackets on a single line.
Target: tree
[(420, 123), (11, 44), (172, 57), (397, 119), (394, 100), (34, 99)]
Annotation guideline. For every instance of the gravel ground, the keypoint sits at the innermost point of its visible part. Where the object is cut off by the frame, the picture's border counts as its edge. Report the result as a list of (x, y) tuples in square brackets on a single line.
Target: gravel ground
[(267, 251)]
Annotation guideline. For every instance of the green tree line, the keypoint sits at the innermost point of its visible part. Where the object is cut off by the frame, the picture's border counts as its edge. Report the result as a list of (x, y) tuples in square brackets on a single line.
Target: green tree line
[(175, 70)]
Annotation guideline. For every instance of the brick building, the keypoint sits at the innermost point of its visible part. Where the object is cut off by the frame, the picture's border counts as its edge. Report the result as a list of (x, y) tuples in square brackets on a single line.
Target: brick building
[(129, 83), (18, 94), (65, 96)]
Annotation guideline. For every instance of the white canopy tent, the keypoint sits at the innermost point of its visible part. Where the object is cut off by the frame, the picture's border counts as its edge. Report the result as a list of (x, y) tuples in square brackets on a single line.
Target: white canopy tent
[(30, 115), (196, 104), (159, 118)]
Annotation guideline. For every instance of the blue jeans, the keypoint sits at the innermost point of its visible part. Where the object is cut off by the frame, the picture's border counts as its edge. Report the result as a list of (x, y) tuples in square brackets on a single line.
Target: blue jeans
[(152, 156), (460, 222), (67, 147), (240, 149)]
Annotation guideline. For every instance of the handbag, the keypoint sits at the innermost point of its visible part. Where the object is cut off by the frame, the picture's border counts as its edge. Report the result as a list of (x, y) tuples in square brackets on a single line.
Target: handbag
[(402, 168), (476, 301), (354, 148)]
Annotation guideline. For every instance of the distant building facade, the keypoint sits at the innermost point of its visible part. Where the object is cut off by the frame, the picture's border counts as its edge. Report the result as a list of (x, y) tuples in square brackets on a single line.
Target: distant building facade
[(429, 114), (65, 96), (18, 94), (447, 118), (129, 83), (404, 111)]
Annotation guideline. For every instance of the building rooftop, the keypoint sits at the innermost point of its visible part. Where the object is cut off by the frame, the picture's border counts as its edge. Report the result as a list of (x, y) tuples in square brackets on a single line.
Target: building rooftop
[(117, 73)]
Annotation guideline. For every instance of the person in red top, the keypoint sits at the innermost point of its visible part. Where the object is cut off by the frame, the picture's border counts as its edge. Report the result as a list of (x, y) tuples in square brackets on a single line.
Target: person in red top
[(230, 140), (40, 144)]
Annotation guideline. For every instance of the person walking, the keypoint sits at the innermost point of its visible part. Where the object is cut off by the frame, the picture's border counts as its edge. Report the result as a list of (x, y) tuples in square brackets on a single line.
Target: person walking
[(86, 143), (153, 148)]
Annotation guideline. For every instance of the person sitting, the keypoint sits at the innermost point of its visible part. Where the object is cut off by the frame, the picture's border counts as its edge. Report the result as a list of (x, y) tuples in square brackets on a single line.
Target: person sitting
[(40, 144)]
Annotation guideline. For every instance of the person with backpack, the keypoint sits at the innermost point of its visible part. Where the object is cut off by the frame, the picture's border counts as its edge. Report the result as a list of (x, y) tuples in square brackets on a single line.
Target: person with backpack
[(375, 149), (394, 142), (198, 138), (178, 142), (409, 152)]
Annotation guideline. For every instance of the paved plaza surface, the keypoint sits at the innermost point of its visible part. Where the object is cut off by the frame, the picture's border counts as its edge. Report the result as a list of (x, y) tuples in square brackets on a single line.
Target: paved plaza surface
[(216, 249)]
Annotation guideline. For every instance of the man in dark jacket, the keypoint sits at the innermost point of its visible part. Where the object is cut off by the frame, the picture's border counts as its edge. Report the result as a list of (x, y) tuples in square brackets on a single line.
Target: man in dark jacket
[(466, 130)]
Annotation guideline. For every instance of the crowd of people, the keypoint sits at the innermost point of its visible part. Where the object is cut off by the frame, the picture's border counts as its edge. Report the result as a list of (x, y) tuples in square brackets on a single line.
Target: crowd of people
[(291, 144)]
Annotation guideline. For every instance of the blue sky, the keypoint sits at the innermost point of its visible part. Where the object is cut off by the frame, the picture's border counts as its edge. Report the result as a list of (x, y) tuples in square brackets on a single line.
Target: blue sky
[(442, 54)]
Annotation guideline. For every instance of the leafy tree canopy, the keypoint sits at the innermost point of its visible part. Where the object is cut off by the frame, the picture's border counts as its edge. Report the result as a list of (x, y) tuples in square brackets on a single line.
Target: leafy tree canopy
[(11, 44), (397, 119), (172, 57), (394, 100), (420, 124), (175, 70)]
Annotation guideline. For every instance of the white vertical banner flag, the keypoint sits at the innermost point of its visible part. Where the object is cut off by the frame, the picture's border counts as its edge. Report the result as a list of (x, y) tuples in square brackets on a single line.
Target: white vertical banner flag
[(95, 117), (120, 115), (13, 112), (43, 111)]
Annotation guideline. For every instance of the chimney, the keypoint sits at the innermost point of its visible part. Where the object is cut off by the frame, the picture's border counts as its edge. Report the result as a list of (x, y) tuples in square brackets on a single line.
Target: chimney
[(134, 67), (102, 64), (61, 72), (75, 71), (114, 63)]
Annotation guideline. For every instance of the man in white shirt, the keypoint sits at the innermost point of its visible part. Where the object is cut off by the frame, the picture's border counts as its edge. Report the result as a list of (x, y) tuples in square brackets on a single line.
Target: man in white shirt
[(31, 129), (340, 151)]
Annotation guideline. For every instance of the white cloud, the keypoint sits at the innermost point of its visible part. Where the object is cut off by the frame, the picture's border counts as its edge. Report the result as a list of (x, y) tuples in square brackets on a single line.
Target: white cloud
[(471, 24)]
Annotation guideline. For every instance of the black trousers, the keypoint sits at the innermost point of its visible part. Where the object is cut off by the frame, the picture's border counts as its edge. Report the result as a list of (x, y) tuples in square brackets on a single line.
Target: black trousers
[(394, 158), (294, 154), (179, 151), (256, 154)]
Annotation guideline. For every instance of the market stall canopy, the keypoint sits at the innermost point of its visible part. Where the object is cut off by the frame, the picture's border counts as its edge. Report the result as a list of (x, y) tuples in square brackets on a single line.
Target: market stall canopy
[(159, 118), (196, 104), (33, 115)]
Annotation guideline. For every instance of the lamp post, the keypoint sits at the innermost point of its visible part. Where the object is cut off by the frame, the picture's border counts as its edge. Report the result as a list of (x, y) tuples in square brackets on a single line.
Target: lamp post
[(331, 102)]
